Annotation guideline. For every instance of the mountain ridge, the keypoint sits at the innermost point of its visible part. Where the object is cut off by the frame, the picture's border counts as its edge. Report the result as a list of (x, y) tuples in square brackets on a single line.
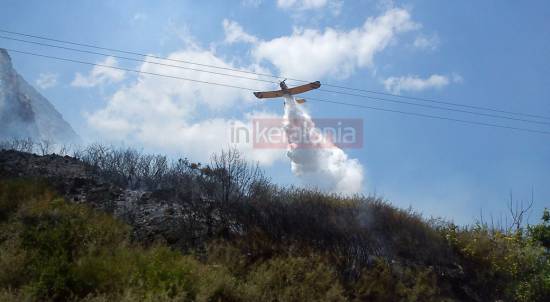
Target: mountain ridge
[(25, 113)]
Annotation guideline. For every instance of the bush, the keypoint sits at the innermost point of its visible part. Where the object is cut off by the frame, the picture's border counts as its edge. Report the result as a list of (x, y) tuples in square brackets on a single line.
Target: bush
[(14, 192), (56, 235), (251, 241), (384, 282), (55, 250), (540, 233), (293, 279), (500, 265)]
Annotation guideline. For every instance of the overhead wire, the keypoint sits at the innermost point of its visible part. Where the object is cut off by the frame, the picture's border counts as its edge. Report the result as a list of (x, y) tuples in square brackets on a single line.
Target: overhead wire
[(268, 81), (133, 59), (312, 99), (283, 77), (127, 69), (428, 115), (443, 108)]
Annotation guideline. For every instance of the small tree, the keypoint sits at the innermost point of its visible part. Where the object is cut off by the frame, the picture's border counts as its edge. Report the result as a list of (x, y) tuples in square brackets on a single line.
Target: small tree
[(518, 210), (231, 177), (45, 147), (225, 185)]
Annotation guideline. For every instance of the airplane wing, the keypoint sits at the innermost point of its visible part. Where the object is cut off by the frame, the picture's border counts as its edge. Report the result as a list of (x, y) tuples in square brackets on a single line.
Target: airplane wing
[(291, 91), (304, 88), (269, 94)]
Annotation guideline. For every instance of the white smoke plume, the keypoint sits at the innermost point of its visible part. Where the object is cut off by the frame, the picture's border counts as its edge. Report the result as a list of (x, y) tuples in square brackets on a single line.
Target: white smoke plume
[(320, 163)]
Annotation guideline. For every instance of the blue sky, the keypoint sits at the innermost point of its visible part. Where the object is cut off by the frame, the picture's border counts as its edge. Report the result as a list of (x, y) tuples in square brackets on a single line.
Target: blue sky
[(488, 53)]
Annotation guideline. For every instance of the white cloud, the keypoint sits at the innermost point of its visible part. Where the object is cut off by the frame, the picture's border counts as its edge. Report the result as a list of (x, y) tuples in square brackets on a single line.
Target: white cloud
[(302, 4), (46, 80), (235, 33), (416, 83), (309, 53), (164, 114), (426, 42), (100, 75)]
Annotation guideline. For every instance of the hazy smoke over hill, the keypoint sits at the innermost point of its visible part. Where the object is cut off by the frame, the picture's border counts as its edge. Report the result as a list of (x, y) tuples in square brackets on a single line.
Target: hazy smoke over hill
[(25, 113), (321, 163)]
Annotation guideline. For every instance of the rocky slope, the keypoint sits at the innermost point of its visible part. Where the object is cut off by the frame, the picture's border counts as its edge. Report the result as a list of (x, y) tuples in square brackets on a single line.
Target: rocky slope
[(25, 113), (382, 253), (152, 217)]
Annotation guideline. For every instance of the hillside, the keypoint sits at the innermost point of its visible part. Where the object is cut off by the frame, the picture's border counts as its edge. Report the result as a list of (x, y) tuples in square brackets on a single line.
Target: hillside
[(114, 224), (25, 113)]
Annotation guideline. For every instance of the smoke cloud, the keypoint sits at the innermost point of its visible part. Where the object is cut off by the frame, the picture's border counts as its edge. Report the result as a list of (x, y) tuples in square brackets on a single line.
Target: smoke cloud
[(321, 163)]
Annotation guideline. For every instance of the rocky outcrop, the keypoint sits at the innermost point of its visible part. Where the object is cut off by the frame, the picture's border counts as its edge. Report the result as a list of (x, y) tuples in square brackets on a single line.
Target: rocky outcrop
[(152, 217), (25, 113)]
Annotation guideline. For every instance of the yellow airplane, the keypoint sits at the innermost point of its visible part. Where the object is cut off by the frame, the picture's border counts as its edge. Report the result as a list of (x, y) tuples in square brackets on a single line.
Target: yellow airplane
[(285, 91)]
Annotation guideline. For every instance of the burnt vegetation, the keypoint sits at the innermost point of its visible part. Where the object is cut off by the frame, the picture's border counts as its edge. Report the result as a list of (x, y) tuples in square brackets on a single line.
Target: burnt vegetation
[(222, 230)]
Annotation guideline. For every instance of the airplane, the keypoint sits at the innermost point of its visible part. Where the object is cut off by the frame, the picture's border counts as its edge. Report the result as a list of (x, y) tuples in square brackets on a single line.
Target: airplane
[(285, 91)]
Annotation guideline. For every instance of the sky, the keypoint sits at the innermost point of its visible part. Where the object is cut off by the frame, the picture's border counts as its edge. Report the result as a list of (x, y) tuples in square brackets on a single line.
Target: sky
[(489, 53)]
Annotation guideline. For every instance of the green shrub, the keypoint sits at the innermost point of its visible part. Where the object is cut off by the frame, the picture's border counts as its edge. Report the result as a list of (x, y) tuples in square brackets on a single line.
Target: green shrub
[(502, 265), (540, 233), (56, 235), (15, 192), (51, 249), (55, 250), (293, 279), (218, 284), (230, 256), (13, 260), (385, 282)]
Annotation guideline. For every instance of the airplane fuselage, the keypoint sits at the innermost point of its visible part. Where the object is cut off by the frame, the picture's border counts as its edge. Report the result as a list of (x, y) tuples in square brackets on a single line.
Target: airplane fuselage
[(284, 88)]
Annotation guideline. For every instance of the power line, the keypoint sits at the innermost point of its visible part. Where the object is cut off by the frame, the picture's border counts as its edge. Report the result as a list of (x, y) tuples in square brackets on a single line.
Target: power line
[(441, 108), (442, 102), (429, 116), (129, 70), (312, 99), (268, 81), (142, 54), (281, 77), (134, 59)]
